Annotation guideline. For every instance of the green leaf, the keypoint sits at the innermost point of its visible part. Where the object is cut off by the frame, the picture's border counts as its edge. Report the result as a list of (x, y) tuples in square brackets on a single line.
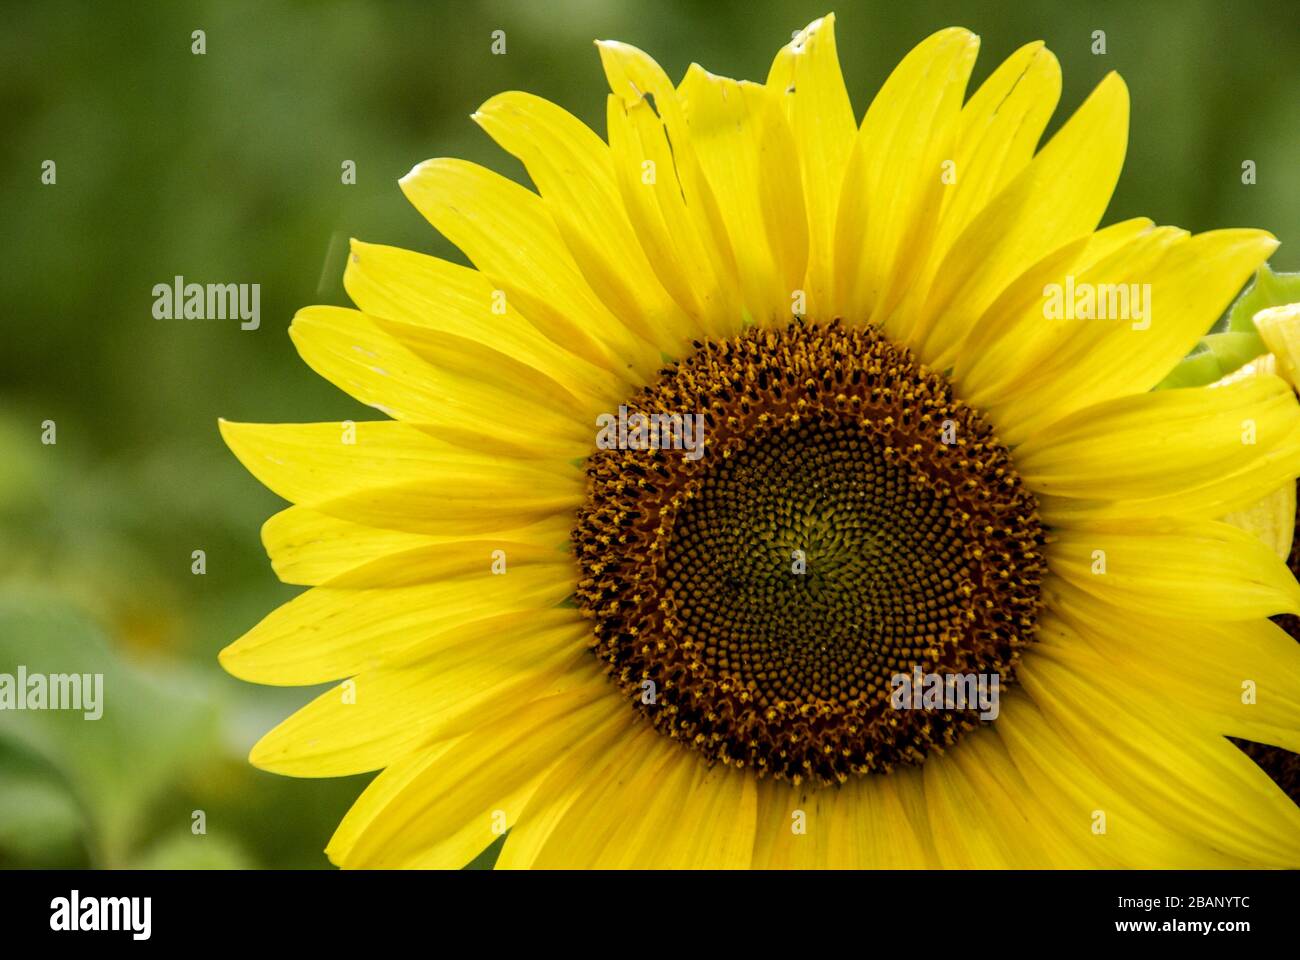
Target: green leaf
[(149, 734), (40, 822), (188, 851)]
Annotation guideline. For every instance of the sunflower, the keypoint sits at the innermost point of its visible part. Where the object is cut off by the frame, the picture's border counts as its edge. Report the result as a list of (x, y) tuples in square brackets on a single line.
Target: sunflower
[(743, 420), (1273, 519)]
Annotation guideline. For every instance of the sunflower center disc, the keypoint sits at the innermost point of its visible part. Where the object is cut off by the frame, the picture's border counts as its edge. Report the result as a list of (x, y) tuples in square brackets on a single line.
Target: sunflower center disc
[(849, 522)]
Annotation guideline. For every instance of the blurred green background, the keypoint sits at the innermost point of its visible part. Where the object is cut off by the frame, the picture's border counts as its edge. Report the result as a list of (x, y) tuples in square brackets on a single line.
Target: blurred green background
[(225, 167)]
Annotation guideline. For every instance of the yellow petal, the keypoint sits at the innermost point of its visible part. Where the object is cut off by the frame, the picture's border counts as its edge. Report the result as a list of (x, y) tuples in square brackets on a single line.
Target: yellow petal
[(1111, 825), (1155, 444), (582, 833), (1279, 327), (1057, 198), (894, 183), (507, 232), (1011, 340), (1241, 482), (999, 130), (378, 794), (806, 77), (871, 830), (614, 742), (1234, 678), (316, 462), (464, 502), (665, 191), (574, 173), (1257, 473), (1271, 518), (1175, 568), (431, 294), (312, 548), (978, 809), (1188, 283), (389, 475), (706, 823), (1203, 789), (795, 825), (328, 633), (308, 547), (748, 156), (496, 374), (473, 676), (668, 810), (876, 822), (449, 811), (352, 352)]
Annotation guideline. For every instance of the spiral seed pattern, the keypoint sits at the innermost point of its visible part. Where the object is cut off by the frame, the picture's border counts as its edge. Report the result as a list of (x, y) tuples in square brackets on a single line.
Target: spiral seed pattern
[(849, 521)]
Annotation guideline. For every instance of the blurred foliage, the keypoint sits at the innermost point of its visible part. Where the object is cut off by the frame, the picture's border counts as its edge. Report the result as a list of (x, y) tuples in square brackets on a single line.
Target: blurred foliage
[(226, 167)]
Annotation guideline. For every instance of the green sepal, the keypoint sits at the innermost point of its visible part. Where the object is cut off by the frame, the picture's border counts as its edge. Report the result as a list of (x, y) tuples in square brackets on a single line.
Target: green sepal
[(1234, 350), (1236, 343), (1196, 370), (1269, 290)]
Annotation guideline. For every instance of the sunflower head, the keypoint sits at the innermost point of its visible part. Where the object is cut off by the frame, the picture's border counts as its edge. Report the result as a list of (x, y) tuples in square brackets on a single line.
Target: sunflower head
[(832, 542), (758, 445)]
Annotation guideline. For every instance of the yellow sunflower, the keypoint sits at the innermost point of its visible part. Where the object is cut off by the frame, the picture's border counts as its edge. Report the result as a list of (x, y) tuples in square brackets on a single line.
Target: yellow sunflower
[(741, 424)]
